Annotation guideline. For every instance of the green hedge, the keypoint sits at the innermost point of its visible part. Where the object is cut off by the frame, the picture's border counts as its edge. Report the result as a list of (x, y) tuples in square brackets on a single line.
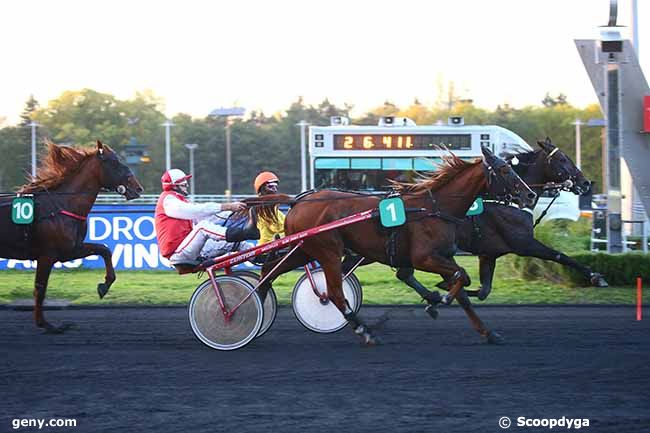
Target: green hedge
[(618, 269)]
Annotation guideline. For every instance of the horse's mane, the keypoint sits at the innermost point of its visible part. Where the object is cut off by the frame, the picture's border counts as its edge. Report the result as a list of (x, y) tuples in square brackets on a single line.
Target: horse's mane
[(57, 166), (450, 167)]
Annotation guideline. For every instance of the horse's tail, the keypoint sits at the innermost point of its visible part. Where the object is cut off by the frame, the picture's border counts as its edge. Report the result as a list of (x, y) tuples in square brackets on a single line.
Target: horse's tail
[(265, 207)]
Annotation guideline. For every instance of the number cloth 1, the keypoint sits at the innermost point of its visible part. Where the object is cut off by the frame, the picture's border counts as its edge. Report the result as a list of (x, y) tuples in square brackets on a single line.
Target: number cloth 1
[(476, 208), (22, 210), (391, 212)]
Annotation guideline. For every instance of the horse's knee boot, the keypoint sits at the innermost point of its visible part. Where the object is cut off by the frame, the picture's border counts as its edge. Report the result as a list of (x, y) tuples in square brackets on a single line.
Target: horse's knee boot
[(462, 276)]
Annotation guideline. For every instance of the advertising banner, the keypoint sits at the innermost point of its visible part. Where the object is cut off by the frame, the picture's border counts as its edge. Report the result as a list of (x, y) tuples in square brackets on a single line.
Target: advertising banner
[(128, 230)]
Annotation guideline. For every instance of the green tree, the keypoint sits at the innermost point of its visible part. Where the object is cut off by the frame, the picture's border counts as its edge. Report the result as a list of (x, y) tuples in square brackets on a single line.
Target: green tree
[(15, 161), (550, 101), (31, 106), (261, 142)]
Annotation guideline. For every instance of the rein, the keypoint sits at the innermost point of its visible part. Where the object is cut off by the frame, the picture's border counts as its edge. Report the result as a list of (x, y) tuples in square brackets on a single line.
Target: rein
[(549, 185), (543, 214), (14, 194), (359, 195)]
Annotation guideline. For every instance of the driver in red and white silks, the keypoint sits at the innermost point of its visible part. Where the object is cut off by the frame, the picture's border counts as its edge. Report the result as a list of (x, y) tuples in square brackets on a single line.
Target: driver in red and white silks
[(187, 231)]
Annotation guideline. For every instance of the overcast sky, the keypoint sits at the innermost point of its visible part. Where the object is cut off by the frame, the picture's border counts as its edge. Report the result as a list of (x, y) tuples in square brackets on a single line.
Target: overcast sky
[(200, 55)]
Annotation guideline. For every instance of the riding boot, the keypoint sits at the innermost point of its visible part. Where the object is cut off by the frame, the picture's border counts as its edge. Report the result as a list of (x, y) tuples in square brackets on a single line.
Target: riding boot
[(247, 232)]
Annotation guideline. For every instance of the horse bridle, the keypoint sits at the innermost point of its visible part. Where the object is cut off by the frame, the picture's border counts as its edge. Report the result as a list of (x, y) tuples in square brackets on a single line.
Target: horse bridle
[(493, 178), (568, 183), (117, 185)]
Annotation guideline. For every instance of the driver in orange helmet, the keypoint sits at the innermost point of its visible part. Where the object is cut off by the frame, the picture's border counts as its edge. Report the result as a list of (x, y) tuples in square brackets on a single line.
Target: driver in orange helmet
[(267, 183)]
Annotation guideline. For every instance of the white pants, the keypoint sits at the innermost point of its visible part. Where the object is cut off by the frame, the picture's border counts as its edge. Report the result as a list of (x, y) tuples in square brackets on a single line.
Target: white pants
[(207, 239)]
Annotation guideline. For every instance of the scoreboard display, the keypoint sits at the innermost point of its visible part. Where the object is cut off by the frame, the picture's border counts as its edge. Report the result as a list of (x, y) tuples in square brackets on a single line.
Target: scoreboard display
[(402, 141)]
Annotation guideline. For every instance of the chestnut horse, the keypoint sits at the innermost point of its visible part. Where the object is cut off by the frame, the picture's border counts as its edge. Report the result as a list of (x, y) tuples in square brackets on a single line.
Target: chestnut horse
[(64, 190), (426, 242)]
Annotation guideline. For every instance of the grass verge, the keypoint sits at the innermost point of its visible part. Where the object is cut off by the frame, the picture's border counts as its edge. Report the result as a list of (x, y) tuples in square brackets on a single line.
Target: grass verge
[(379, 287)]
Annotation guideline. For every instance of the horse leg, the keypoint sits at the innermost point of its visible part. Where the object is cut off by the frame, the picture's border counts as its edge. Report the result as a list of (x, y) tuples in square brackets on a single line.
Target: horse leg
[(537, 249), (407, 276), (349, 261), (486, 265), (101, 250), (332, 268), (456, 283), (445, 266), (296, 260), (491, 336), (43, 270)]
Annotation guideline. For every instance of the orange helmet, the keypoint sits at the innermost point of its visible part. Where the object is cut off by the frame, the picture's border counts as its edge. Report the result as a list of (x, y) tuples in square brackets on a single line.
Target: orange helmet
[(262, 178)]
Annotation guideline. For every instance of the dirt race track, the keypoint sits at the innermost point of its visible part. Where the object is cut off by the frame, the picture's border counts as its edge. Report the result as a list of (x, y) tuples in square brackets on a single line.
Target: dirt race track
[(141, 370)]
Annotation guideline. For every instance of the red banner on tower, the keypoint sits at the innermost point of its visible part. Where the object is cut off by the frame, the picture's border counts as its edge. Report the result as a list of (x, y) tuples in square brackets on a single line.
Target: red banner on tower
[(646, 114)]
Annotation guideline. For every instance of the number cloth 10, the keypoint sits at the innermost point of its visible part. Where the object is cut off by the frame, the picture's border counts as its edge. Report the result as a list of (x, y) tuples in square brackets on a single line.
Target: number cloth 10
[(22, 211), (476, 208), (391, 212)]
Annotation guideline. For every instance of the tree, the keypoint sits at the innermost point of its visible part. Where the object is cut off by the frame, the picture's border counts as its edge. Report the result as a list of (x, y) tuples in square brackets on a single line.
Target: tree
[(260, 142), (15, 158), (550, 101), (31, 106)]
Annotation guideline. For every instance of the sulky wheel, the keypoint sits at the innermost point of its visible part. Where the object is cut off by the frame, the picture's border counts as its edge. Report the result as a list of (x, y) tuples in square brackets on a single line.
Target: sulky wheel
[(270, 303), (208, 321), (320, 316)]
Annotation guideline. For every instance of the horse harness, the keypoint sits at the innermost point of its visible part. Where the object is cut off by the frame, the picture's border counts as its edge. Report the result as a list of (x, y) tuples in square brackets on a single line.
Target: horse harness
[(394, 232), (57, 210), (476, 228)]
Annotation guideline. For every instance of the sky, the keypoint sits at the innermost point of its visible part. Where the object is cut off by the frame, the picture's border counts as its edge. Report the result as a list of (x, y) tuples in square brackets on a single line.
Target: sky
[(198, 55)]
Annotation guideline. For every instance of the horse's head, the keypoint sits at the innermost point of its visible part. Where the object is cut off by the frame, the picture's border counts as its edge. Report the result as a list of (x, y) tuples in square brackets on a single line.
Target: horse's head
[(559, 168), (115, 175), (504, 182)]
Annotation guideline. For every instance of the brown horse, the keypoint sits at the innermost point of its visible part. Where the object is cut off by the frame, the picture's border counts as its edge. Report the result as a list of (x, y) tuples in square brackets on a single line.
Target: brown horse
[(426, 242), (64, 190)]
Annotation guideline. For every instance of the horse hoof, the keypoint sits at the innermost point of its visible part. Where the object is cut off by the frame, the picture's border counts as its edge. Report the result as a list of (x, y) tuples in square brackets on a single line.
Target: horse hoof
[(53, 329), (102, 289), (597, 280), (432, 311), (447, 300), (371, 340), (433, 298), (494, 338), (483, 294)]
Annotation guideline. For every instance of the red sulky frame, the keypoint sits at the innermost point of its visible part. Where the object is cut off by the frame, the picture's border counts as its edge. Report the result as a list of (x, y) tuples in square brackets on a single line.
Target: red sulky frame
[(228, 261)]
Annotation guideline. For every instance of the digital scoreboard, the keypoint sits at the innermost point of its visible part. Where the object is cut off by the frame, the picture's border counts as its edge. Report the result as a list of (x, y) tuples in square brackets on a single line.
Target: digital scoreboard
[(402, 141)]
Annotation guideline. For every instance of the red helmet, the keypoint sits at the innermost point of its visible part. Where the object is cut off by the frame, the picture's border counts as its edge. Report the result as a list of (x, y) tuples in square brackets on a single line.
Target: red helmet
[(173, 178), (264, 177)]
